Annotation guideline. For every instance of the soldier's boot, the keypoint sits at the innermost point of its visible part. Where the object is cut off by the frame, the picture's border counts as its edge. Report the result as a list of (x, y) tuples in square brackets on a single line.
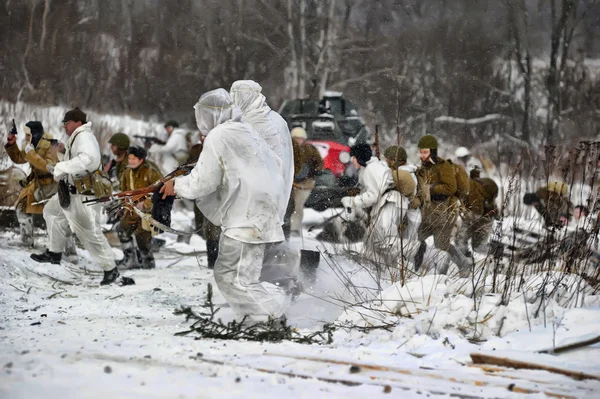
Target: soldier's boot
[(47, 257), (129, 260), (110, 276), (147, 260), (70, 251), (420, 255), (463, 263), (25, 228), (212, 252)]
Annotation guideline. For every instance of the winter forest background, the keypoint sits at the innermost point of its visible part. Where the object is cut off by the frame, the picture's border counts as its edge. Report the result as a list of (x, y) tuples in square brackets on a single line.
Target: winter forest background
[(469, 71)]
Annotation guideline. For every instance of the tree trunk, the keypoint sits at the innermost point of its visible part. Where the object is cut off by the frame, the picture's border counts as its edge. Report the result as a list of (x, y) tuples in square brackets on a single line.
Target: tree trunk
[(294, 58), (44, 24), (302, 59), (328, 48)]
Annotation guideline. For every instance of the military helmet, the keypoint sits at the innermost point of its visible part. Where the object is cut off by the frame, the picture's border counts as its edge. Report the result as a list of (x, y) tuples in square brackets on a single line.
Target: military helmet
[(428, 141), (120, 140), (395, 153)]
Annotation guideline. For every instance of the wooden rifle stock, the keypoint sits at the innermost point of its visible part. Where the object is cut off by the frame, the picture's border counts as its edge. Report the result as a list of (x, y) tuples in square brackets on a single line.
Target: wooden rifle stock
[(136, 194)]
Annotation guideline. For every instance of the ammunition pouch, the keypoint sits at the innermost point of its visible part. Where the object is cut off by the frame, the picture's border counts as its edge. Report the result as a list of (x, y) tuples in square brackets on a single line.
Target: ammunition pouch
[(95, 184)]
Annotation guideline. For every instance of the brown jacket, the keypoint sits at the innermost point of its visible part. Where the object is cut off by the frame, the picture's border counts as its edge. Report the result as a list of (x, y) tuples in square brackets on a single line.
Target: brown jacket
[(552, 206), (311, 164), (9, 185), (141, 177), (437, 188), (482, 196), (39, 178)]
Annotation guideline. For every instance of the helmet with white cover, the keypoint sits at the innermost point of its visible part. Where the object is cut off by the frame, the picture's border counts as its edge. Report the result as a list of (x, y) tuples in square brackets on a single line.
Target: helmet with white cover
[(246, 94), (213, 108), (462, 152)]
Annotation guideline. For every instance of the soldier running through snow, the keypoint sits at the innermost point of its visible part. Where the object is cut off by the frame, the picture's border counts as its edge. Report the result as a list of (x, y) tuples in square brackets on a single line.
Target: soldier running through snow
[(66, 210), (438, 192), (119, 144), (405, 179), (380, 199), (40, 184), (304, 182), (478, 218), (175, 151), (237, 185)]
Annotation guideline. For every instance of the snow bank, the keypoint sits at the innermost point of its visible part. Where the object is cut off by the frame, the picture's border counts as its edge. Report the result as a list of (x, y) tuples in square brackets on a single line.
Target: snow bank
[(431, 307)]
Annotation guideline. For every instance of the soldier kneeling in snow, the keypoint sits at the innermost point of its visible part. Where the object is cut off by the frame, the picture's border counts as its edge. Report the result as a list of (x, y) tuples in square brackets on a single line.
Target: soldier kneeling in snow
[(551, 203), (139, 174)]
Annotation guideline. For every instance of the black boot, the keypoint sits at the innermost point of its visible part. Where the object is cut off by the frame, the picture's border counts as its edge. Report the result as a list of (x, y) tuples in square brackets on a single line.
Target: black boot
[(110, 276), (48, 257), (148, 260), (130, 258), (212, 252), (420, 255)]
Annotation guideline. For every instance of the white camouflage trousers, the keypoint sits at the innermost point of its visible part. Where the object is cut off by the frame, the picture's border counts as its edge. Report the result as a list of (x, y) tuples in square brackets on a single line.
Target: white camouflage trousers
[(237, 274), (84, 222), (384, 235)]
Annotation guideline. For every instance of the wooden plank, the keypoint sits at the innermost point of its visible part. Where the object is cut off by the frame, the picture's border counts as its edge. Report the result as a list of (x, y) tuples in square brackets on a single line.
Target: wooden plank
[(440, 375), (481, 358), (572, 346)]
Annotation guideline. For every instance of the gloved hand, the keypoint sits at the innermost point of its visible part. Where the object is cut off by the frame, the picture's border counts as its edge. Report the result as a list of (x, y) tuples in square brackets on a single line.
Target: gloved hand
[(11, 139), (28, 148), (348, 202), (50, 169), (58, 174)]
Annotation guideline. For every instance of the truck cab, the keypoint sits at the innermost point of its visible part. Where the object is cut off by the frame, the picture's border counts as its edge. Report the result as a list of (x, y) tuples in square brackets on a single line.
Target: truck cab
[(333, 126)]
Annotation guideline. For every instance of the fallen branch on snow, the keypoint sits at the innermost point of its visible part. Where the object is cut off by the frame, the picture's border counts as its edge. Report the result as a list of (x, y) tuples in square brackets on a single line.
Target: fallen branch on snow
[(272, 330)]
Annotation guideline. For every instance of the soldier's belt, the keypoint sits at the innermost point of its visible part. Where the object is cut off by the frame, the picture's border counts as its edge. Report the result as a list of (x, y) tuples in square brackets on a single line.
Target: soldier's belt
[(439, 197)]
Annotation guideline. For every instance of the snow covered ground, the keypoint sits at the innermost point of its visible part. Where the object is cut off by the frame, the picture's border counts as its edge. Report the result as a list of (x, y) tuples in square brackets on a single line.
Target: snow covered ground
[(64, 336)]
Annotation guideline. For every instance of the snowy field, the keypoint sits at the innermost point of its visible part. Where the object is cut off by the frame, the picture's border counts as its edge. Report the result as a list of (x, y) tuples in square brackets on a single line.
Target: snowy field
[(64, 336)]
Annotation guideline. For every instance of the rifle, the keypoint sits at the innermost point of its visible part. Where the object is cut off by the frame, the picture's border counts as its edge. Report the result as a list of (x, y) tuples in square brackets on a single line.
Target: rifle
[(136, 195), (148, 141)]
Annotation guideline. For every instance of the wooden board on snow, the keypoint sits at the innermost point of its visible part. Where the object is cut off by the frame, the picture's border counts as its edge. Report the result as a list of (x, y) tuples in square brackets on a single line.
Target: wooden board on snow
[(517, 361)]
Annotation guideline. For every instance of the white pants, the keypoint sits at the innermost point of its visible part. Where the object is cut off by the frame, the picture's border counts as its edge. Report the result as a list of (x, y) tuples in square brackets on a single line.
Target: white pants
[(25, 227), (81, 220), (237, 274), (383, 235), (413, 217), (300, 197)]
